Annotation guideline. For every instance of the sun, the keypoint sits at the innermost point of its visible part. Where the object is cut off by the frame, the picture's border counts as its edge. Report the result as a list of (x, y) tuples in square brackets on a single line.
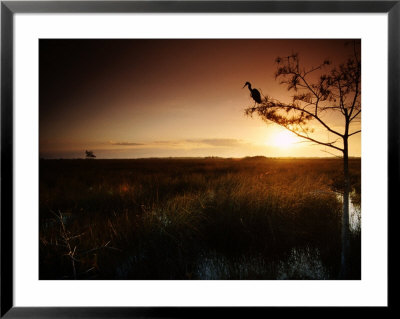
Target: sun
[(284, 139)]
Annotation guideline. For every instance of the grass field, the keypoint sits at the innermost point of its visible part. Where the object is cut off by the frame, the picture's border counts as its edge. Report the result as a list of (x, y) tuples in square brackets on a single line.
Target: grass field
[(211, 218)]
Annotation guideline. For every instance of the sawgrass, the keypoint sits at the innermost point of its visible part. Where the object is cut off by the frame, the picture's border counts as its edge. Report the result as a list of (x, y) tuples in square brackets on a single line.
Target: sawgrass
[(212, 218)]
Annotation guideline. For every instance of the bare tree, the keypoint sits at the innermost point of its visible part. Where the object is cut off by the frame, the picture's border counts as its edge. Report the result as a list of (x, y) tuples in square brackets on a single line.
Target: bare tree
[(320, 92), (89, 154)]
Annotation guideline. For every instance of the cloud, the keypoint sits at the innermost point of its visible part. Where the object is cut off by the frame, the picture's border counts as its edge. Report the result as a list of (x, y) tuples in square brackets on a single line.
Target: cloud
[(126, 143), (167, 143), (219, 142), (191, 143)]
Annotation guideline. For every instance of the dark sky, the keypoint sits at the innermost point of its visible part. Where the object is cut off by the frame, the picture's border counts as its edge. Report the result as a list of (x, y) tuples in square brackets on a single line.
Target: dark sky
[(140, 98)]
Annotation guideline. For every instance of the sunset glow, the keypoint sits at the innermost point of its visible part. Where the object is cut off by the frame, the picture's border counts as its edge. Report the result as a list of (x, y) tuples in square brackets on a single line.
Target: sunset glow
[(284, 139), (170, 98)]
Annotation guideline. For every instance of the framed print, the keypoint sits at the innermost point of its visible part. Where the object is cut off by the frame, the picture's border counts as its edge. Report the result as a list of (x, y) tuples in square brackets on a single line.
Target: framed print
[(175, 158)]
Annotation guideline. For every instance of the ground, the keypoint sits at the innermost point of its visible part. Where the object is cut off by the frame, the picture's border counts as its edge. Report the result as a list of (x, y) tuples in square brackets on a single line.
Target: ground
[(200, 218)]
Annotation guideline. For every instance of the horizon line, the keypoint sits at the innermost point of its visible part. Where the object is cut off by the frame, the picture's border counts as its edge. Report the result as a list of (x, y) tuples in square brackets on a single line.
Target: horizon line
[(202, 157)]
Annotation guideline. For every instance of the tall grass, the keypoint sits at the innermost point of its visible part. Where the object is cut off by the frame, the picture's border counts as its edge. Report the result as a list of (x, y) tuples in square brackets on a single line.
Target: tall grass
[(250, 218)]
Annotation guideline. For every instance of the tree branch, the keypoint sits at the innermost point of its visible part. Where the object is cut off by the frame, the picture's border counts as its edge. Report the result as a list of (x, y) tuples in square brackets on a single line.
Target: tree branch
[(331, 154), (356, 132), (280, 105), (314, 140), (355, 115)]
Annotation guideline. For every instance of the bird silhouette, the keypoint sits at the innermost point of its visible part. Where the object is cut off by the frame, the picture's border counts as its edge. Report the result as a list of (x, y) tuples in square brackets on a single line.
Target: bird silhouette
[(254, 93)]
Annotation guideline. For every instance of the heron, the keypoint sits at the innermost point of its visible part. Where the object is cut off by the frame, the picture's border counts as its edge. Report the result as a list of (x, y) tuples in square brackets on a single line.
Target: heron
[(254, 93)]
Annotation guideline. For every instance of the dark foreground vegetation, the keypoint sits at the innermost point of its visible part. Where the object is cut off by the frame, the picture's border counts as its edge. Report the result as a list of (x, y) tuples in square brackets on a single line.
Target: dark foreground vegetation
[(252, 218)]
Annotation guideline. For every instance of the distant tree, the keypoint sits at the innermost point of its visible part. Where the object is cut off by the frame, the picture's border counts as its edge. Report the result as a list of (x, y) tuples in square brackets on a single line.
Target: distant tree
[(318, 91), (89, 154)]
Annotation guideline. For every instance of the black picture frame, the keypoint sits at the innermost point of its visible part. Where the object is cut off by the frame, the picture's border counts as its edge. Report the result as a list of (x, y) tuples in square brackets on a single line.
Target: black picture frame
[(9, 8)]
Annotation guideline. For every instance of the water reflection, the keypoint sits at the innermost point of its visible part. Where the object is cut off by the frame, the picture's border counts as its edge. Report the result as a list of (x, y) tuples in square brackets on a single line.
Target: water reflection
[(354, 212)]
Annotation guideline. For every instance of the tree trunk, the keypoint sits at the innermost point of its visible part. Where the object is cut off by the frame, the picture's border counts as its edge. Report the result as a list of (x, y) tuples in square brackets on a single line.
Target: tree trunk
[(344, 270)]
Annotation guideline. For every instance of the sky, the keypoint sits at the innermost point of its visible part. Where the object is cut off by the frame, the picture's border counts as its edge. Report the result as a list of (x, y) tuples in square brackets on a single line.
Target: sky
[(132, 98)]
